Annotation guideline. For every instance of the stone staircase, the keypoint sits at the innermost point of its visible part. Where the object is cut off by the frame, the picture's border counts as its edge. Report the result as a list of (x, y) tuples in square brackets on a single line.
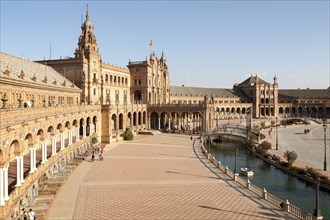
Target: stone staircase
[(48, 190)]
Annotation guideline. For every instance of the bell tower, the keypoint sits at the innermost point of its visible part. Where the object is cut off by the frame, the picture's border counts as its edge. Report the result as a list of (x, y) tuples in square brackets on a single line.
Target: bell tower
[(87, 44)]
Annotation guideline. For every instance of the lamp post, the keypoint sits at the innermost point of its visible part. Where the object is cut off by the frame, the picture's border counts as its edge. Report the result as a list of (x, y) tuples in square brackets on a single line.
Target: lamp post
[(325, 147), (276, 133), (236, 151), (317, 212)]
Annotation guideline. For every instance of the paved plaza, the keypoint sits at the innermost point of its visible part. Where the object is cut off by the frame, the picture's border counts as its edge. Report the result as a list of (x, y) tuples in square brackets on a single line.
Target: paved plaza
[(155, 177), (309, 147)]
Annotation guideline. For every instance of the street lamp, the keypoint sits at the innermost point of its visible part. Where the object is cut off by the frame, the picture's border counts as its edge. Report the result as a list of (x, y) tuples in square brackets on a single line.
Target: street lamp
[(317, 212), (325, 147), (276, 133), (236, 151)]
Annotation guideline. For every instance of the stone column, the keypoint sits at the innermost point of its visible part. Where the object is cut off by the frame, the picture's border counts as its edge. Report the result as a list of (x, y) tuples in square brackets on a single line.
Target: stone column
[(84, 131), (53, 138), (62, 140), (198, 122), (91, 129), (194, 123), (18, 171), (43, 151), (169, 123), (158, 122), (35, 158), (149, 123), (77, 134), (31, 160), (2, 184), (6, 182), (22, 169), (70, 136)]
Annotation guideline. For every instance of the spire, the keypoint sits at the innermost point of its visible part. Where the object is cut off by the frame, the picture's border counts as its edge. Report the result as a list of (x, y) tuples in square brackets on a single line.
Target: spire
[(87, 15), (87, 40)]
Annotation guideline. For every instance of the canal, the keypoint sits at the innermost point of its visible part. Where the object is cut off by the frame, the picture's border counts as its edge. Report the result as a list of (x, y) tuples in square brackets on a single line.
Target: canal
[(282, 185)]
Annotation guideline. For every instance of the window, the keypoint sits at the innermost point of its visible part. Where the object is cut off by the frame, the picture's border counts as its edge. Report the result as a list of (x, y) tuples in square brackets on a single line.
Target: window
[(94, 91)]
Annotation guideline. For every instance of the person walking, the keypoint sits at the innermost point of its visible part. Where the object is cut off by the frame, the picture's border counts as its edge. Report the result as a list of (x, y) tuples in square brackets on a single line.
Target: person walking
[(93, 155), (31, 215)]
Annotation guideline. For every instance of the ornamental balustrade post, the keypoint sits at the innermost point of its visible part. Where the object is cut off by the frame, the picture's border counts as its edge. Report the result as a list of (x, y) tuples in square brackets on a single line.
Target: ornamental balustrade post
[(264, 194), (248, 184)]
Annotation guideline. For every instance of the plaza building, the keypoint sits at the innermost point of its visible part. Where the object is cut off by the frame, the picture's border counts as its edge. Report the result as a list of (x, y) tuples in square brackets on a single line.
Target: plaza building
[(51, 109)]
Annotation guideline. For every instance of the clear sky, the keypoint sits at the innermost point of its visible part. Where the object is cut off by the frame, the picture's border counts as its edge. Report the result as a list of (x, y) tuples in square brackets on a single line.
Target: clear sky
[(206, 43)]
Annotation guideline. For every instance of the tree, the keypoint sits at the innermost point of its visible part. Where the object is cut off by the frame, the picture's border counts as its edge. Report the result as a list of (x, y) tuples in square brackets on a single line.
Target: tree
[(265, 146), (290, 156), (263, 124), (94, 139), (128, 135)]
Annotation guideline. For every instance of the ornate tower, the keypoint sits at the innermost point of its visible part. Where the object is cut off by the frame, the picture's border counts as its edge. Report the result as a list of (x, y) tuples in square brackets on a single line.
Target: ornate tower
[(87, 41), (165, 79), (89, 54)]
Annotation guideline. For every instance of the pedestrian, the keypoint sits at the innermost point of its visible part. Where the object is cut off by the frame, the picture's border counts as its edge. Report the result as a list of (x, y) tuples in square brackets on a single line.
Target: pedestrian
[(102, 150), (93, 155), (31, 214), (23, 214)]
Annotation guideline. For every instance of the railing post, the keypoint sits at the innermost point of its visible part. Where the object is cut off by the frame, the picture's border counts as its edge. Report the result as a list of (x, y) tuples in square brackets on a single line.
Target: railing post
[(236, 176), (264, 194), (286, 206), (226, 170), (218, 165), (248, 183)]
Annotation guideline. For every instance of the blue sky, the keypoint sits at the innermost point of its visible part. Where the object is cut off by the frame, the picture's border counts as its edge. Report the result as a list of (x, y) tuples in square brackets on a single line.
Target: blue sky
[(206, 43)]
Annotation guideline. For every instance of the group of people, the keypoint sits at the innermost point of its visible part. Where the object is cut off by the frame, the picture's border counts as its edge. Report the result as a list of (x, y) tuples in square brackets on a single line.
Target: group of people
[(30, 215), (99, 151)]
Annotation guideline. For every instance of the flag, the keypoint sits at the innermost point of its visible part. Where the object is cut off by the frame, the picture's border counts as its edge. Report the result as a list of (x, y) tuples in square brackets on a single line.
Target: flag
[(150, 43)]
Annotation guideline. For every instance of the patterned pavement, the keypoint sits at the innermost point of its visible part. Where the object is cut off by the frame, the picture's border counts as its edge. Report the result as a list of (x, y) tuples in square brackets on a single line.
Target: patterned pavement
[(155, 177)]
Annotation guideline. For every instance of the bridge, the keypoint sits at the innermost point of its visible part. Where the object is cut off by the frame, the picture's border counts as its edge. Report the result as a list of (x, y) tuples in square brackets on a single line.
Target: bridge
[(238, 132)]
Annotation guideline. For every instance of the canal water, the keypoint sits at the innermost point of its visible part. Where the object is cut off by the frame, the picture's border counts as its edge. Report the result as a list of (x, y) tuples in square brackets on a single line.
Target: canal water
[(282, 185)]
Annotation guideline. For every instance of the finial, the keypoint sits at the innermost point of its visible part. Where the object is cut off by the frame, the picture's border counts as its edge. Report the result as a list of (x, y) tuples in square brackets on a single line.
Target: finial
[(87, 15)]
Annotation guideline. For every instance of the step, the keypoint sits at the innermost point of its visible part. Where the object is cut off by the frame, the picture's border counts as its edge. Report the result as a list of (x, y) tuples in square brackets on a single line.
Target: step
[(54, 185), (44, 198), (42, 206), (64, 174), (47, 191), (74, 162), (71, 166), (56, 179), (40, 215)]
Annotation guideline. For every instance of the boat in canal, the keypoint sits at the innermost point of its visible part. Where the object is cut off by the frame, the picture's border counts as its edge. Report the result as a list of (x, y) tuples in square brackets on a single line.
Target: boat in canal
[(247, 171)]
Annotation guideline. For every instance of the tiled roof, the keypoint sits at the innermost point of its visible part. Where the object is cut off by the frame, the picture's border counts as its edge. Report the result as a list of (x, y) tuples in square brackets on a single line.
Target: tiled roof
[(252, 79), (303, 93), (198, 91), (33, 72)]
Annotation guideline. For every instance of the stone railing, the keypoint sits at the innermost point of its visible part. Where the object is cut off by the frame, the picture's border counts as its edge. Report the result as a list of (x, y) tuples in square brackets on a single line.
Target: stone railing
[(9, 116), (262, 193), (19, 192)]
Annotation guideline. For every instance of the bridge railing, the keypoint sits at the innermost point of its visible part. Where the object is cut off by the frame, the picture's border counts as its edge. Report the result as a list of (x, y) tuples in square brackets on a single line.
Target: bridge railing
[(262, 193)]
